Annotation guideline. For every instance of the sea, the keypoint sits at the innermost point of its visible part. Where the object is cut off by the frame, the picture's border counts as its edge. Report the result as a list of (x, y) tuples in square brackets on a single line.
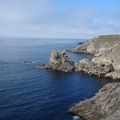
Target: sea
[(31, 93)]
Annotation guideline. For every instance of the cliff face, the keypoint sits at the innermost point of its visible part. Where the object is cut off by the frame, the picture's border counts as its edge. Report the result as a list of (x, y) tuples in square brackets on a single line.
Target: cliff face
[(105, 50), (97, 44), (106, 62), (104, 106)]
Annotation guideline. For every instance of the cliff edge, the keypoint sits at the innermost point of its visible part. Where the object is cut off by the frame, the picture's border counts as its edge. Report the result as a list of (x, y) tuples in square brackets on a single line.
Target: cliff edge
[(105, 51), (105, 105)]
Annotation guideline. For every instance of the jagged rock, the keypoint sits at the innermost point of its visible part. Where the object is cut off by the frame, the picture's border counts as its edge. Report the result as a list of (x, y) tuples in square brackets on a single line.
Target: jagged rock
[(114, 75), (105, 62), (58, 57), (100, 43), (94, 68), (59, 60), (106, 53), (106, 59), (103, 105)]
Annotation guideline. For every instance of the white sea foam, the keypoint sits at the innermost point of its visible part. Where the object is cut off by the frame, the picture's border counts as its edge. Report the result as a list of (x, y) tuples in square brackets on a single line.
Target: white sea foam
[(76, 118)]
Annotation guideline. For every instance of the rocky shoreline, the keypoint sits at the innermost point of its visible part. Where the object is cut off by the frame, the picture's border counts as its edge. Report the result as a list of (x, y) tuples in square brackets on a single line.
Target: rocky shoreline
[(102, 106), (105, 62)]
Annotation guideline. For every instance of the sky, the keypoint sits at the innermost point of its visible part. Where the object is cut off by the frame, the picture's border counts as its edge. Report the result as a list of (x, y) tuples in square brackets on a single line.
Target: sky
[(59, 18)]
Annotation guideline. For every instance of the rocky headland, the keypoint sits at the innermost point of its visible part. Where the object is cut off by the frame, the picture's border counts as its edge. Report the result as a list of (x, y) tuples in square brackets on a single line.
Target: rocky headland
[(105, 61), (106, 56), (105, 105)]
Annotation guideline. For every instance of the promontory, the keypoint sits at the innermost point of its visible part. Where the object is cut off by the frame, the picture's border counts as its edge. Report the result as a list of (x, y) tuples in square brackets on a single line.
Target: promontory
[(105, 49)]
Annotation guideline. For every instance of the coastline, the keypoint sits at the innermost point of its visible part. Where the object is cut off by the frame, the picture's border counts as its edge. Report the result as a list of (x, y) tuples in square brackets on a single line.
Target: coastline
[(105, 104), (105, 63)]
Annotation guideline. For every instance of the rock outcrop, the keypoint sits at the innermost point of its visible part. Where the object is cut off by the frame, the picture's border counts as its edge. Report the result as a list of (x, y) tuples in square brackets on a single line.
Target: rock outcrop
[(104, 106), (106, 54), (94, 68), (105, 62), (97, 44), (60, 61)]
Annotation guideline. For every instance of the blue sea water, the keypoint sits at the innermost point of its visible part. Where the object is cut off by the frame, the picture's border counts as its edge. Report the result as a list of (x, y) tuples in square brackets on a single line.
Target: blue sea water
[(28, 93)]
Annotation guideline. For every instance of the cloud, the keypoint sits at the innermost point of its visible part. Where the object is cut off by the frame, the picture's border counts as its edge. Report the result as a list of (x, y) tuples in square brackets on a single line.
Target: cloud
[(41, 18)]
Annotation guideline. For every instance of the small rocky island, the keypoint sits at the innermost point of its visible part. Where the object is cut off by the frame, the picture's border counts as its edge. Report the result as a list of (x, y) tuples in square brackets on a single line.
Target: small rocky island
[(59, 61), (105, 105)]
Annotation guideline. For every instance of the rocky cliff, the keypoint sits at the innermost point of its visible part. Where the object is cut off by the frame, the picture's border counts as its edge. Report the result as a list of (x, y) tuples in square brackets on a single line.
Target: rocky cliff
[(60, 61), (104, 106), (105, 51), (105, 62)]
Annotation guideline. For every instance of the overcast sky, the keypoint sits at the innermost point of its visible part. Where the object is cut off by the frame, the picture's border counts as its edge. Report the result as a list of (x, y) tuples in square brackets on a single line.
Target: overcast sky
[(59, 18)]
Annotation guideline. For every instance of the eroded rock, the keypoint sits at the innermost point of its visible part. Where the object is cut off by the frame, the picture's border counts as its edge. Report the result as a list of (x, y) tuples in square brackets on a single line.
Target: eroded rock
[(59, 60), (106, 56), (106, 103), (90, 67)]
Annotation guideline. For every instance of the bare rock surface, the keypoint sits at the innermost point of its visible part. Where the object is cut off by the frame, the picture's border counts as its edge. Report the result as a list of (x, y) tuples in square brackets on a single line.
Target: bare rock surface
[(114, 75), (100, 43), (94, 68), (60, 61), (106, 52), (105, 61), (104, 106), (115, 116)]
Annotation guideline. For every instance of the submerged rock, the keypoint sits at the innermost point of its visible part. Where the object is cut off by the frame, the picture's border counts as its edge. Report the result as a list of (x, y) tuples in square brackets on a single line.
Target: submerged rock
[(27, 62), (105, 105)]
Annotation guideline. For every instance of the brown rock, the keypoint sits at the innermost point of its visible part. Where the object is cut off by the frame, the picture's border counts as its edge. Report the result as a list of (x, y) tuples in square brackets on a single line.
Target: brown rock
[(60, 61), (94, 68), (106, 103)]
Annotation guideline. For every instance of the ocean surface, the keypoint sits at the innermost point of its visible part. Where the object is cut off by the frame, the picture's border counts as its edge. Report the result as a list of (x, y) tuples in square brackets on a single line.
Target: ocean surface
[(29, 93)]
